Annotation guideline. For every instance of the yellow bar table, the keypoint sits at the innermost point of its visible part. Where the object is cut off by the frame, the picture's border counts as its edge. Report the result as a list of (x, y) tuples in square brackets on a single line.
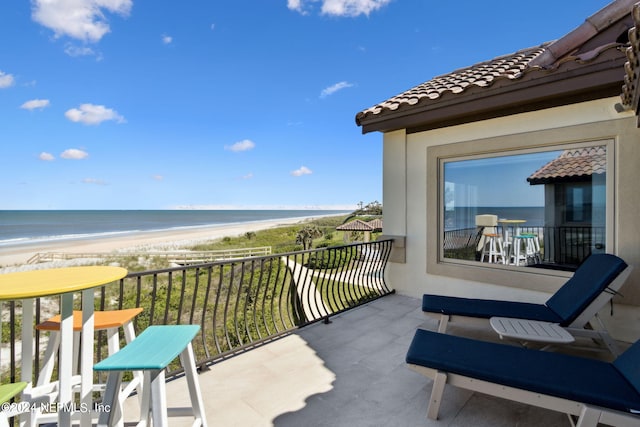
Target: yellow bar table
[(28, 285)]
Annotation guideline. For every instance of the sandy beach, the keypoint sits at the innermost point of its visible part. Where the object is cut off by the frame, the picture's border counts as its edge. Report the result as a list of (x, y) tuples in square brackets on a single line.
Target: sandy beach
[(12, 257)]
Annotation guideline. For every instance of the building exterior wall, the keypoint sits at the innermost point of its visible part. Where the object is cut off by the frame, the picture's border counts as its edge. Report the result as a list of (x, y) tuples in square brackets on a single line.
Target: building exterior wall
[(411, 181)]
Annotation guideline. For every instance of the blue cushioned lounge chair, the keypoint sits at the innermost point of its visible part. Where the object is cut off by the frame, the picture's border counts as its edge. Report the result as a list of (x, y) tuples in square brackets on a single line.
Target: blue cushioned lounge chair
[(573, 306), (594, 390)]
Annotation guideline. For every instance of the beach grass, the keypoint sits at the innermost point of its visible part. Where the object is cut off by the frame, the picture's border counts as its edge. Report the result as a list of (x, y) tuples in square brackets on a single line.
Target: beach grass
[(281, 238)]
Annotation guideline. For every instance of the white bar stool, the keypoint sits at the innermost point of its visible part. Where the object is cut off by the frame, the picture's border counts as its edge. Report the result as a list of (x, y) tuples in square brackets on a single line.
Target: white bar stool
[(110, 321), (525, 247), (493, 248)]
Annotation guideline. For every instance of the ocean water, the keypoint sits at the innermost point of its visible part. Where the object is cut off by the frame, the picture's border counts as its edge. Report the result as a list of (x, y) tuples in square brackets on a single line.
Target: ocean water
[(27, 227), (464, 217)]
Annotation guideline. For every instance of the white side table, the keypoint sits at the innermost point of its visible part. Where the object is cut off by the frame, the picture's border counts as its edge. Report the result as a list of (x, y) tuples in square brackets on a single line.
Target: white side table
[(530, 330)]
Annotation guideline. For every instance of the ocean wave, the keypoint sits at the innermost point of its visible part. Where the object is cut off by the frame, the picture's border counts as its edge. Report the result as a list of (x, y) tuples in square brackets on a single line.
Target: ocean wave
[(34, 240), (40, 239)]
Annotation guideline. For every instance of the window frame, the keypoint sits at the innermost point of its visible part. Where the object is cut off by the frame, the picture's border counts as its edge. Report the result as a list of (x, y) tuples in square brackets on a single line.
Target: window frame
[(554, 139)]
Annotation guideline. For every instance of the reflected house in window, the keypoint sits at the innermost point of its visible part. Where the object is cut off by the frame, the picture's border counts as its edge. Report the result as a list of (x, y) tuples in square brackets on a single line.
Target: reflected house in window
[(575, 204)]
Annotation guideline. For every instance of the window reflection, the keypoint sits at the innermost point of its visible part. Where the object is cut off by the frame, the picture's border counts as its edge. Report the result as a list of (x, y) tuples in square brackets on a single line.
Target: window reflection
[(544, 209)]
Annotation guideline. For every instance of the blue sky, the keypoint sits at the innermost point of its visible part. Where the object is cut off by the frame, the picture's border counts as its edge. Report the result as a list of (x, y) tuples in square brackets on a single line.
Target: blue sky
[(125, 104), (496, 181)]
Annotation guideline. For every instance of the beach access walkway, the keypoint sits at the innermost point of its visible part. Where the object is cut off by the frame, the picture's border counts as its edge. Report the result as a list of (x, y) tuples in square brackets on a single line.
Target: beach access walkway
[(182, 257)]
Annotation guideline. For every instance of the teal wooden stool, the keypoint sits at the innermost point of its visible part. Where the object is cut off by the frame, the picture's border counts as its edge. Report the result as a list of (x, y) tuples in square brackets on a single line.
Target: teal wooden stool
[(151, 352)]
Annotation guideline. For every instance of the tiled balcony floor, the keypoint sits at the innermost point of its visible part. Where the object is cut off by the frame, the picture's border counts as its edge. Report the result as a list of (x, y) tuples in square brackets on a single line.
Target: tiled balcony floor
[(348, 373)]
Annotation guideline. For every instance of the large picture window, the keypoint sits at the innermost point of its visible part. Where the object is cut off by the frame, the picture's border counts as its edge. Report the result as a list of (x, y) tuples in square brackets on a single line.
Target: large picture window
[(543, 207)]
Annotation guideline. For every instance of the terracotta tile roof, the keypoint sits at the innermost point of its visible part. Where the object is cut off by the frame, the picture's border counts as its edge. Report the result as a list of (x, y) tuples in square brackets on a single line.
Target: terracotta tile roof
[(484, 74), (376, 224), (572, 165), (356, 225), (509, 68), (590, 48), (631, 88)]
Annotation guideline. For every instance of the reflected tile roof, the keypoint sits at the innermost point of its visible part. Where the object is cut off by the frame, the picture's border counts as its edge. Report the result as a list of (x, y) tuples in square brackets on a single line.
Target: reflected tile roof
[(572, 165)]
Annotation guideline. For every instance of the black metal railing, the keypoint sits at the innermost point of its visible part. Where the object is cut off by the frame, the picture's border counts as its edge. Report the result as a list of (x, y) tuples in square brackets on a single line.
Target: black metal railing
[(570, 245), (565, 246), (238, 303)]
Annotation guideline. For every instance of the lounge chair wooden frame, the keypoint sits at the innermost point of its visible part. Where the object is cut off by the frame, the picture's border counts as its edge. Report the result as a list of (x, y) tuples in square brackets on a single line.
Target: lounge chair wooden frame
[(593, 390), (587, 324), (588, 415)]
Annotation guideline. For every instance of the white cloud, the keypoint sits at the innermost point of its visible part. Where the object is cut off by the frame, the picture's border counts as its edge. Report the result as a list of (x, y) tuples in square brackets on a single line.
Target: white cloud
[(334, 88), (352, 7), (74, 51), (74, 154), (35, 104), (247, 176), (80, 19), (296, 5), (6, 80), (93, 181), (244, 145), (47, 157), (349, 8), (91, 114), (167, 39), (303, 170), (158, 177)]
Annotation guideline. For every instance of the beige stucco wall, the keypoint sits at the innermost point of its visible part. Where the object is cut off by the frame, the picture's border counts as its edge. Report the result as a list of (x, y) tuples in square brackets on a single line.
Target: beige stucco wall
[(407, 178)]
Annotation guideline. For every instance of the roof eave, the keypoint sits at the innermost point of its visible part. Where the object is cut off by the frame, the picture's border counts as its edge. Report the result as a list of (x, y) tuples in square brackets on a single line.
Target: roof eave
[(537, 91)]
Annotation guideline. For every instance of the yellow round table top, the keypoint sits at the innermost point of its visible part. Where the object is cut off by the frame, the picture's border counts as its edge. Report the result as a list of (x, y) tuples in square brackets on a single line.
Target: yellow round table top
[(40, 283)]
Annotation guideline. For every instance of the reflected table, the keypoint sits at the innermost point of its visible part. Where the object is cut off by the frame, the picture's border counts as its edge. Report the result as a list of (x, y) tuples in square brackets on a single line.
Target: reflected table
[(28, 285)]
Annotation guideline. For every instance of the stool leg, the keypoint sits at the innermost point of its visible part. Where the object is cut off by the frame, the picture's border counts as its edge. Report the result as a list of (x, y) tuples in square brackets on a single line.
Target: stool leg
[(188, 363), (145, 404), (113, 340), (130, 335), (538, 256), (499, 251), (159, 400), (488, 249), (76, 352), (129, 332), (496, 250), (113, 415), (44, 377), (531, 250), (516, 251)]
